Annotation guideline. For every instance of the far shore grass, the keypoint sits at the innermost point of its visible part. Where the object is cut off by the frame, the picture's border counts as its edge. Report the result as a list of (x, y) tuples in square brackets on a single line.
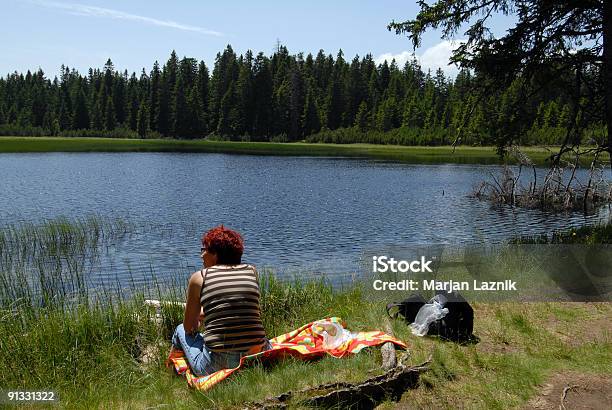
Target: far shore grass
[(395, 153)]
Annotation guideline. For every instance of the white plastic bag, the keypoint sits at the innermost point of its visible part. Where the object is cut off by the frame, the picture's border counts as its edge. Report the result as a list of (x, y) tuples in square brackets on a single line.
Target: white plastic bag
[(429, 313), (334, 335)]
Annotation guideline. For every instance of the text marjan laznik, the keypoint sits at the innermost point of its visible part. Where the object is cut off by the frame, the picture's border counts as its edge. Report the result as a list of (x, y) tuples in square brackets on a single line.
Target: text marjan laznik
[(384, 264), (447, 285)]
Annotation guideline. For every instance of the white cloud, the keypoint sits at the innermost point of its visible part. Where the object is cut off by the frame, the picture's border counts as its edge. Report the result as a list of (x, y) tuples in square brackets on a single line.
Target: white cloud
[(400, 58), (433, 58), (92, 11)]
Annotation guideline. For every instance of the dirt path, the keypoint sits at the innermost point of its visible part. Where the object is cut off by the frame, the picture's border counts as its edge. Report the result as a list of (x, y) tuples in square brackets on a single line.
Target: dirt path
[(572, 390)]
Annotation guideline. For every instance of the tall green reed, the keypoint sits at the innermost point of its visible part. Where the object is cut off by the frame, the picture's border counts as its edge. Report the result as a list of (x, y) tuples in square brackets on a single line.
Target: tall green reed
[(45, 263), (58, 332)]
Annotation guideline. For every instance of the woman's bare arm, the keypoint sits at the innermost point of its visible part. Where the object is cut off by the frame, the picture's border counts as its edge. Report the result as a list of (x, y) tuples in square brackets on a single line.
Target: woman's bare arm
[(193, 309)]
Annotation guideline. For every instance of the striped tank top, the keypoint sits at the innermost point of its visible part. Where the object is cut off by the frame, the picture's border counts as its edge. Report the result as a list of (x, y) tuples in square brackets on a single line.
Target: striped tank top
[(230, 299)]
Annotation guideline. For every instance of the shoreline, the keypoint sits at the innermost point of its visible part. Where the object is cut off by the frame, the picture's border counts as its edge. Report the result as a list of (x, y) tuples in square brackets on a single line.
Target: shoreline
[(62, 339), (485, 155)]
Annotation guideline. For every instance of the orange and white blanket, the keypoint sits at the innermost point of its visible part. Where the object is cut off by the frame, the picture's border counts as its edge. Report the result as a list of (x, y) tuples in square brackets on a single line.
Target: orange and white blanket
[(306, 342)]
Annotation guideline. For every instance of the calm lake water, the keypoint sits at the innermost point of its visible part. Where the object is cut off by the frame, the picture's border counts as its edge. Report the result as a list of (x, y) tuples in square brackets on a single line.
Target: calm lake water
[(297, 214)]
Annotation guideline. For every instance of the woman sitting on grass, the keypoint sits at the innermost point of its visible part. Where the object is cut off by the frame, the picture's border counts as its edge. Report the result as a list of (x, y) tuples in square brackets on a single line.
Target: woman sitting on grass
[(225, 294)]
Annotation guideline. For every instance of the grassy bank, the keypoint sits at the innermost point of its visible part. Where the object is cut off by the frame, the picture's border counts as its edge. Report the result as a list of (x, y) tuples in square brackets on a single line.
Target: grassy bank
[(93, 355), (413, 154), (101, 349)]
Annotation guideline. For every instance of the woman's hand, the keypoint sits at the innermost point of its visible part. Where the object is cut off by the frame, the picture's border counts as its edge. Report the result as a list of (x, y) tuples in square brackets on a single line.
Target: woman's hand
[(193, 310)]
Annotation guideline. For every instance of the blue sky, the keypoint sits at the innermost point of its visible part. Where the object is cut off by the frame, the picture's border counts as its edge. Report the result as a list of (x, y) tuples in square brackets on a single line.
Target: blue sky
[(84, 33)]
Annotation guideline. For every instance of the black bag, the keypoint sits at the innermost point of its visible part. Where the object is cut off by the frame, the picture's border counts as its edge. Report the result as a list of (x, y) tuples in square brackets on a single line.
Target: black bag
[(408, 307), (457, 325)]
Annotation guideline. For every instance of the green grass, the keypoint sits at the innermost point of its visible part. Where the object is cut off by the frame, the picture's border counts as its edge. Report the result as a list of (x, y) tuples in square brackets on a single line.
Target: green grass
[(89, 348), (520, 346), (587, 235), (413, 154)]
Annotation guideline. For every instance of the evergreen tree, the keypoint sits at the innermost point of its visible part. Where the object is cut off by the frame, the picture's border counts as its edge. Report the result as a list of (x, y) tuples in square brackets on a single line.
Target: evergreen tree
[(262, 119), (163, 108), (80, 120), (384, 78), (188, 70), (109, 68), (65, 106), (119, 97), (195, 112), (188, 110), (143, 120), (55, 127), (296, 104), (355, 91), (97, 116), (134, 94), (372, 94), (564, 116), (335, 101), (311, 123), (225, 73), (282, 115), (395, 88), (225, 125), (38, 99), (203, 97), (110, 120), (154, 101), (65, 115), (550, 115), (385, 115), (428, 104), (243, 116), (11, 116), (182, 119), (412, 117), (362, 118), (169, 79)]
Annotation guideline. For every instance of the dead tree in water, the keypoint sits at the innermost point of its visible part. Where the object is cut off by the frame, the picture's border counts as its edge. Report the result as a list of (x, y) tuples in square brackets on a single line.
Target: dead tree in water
[(555, 192)]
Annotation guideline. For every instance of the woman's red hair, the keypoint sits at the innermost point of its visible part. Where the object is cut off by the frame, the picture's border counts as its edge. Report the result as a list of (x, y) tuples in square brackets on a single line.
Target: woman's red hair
[(227, 244)]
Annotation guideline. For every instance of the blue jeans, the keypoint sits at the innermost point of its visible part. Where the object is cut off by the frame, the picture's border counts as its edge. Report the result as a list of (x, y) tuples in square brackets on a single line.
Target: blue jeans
[(202, 360)]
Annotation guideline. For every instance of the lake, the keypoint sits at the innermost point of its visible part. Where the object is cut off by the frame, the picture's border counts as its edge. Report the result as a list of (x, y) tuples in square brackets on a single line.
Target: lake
[(297, 214)]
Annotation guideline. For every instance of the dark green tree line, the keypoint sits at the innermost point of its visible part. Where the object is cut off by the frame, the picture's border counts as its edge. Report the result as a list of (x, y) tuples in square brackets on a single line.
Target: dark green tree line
[(285, 97)]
